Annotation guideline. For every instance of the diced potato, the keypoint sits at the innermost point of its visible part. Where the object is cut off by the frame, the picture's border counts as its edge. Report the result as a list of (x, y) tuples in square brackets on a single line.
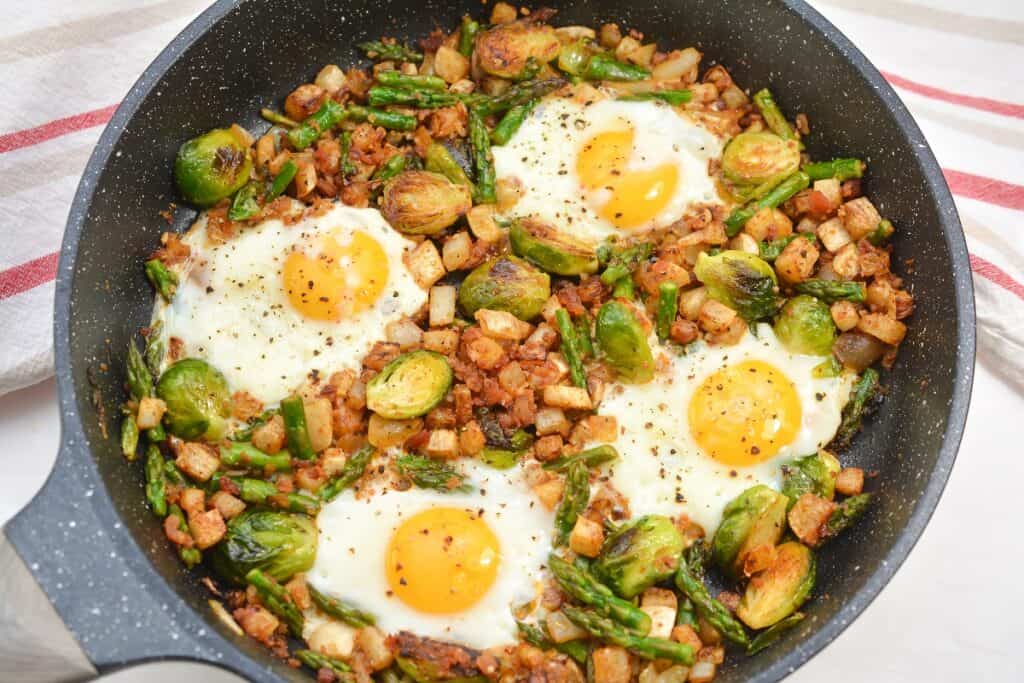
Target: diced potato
[(485, 353), (663, 619), (711, 653), (809, 514), (319, 423), (586, 537), (680, 65), (228, 505), (348, 420), (549, 492), (331, 78), (151, 411), (561, 629), (503, 13), (333, 638), (659, 596), (845, 314), (193, 501), (543, 337), (860, 217), (626, 47), (569, 34), (372, 643), (808, 225), (450, 64), (686, 635), (730, 335), (833, 235), (266, 149), (471, 439), (269, 437), (425, 264), (882, 327), (716, 316), (404, 332), (502, 325), (562, 396), (441, 341), (443, 443), (611, 665), (768, 224), (744, 242), (603, 427), (552, 421), (385, 433), (208, 528), (332, 461), (197, 460), (244, 137), (691, 301), (850, 481), (442, 305), (846, 264), (796, 262), (457, 251), (298, 590), (257, 622), (702, 672), (609, 36), (481, 222), (674, 674), (310, 479), (832, 189), (512, 377)]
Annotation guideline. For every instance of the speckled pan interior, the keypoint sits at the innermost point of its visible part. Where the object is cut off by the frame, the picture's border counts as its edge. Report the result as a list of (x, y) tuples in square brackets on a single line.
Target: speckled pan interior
[(89, 537)]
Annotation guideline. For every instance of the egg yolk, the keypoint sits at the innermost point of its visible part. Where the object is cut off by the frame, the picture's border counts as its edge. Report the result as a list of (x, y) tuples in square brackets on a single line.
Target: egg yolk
[(636, 196), (743, 414), (442, 560), (342, 279)]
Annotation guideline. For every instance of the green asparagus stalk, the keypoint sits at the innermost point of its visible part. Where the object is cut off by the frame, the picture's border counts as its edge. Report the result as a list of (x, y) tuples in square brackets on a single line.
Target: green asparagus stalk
[(518, 94), (347, 167), (840, 169), (164, 281), (153, 353), (624, 289), (382, 95), (673, 97), (574, 501), (329, 115), (853, 413), (341, 610), (129, 437), (390, 168), (354, 468), (392, 675), (173, 474), (882, 233), (571, 348), (140, 382), (244, 205), (259, 421), (717, 614), (243, 455), (397, 79), (467, 34), (427, 473), (392, 120), (831, 291), (277, 118), (317, 661), (282, 180), (686, 614), (294, 414), (772, 115), (511, 122), (440, 160), (783, 191), (380, 51), (668, 306), (577, 649), (581, 586), (592, 457), (848, 512), (276, 599), (609, 631), (769, 251), (584, 337), (830, 367), (602, 67), (190, 556), (623, 263), (771, 635), (156, 434), (483, 192), (259, 492), (156, 481)]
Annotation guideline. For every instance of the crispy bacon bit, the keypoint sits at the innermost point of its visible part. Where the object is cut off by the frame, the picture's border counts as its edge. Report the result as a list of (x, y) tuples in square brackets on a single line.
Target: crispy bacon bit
[(570, 299), (449, 122), (245, 406), (173, 250), (421, 140), (356, 193)]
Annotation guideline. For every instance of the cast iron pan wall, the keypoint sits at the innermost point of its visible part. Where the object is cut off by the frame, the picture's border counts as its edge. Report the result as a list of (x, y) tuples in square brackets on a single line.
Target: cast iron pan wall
[(257, 54)]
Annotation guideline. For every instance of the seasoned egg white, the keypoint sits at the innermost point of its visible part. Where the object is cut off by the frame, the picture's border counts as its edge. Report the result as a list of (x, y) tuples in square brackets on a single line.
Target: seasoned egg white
[(665, 469), (278, 301), (608, 168)]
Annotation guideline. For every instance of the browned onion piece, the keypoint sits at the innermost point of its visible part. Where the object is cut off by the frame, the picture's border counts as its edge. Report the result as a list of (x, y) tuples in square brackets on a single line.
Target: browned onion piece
[(858, 350)]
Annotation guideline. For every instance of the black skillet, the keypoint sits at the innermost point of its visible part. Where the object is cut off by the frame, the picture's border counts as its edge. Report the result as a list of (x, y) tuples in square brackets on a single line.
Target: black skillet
[(88, 540)]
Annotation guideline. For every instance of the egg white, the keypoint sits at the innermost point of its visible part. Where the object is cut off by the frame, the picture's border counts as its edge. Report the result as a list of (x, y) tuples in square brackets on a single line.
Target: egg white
[(355, 533), (662, 470), (542, 157), (231, 308)]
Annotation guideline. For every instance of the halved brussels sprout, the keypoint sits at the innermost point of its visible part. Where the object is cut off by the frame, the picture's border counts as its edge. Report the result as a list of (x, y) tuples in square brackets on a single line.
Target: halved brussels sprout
[(546, 248), (778, 591), (639, 554), (741, 281), (198, 400), (423, 203), (280, 544), (505, 283), (410, 385), (624, 343), (426, 660), (755, 518), (757, 157), (211, 167), (815, 473), (508, 49), (805, 325)]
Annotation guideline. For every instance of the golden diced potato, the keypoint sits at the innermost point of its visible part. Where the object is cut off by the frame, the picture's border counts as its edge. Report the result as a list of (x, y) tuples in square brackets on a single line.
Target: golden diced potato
[(502, 325), (561, 629), (571, 34), (882, 327), (372, 643), (833, 235), (586, 538), (860, 217), (549, 492), (332, 461), (319, 423), (512, 377), (208, 528), (450, 64), (808, 516), (850, 481), (441, 341), (333, 638), (485, 353), (744, 242), (151, 411), (471, 439), (845, 314), (384, 433), (404, 332), (551, 421), (269, 437), (832, 189), (266, 149), (562, 396), (686, 635), (457, 251), (228, 505), (481, 222), (603, 427), (796, 262), (846, 264), (443, 443), (659, 596), (551, 307), (442, 305), (768, 224), (716, 316), (680, 65), (730, 335), (503, 13), (702, 672), (663, 619), (331, 78), (611, 665), (425, 264), (193, 501), (257, 622), (691, 301), (197, 460)]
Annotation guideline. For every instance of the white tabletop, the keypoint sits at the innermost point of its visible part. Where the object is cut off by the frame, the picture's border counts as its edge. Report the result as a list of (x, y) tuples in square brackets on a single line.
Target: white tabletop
[(948, 615)]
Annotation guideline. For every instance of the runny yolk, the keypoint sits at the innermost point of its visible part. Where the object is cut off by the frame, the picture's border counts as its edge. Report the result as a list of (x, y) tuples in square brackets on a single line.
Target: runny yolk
[(339, 281), (743, 414), (636, 196), (442, 560)]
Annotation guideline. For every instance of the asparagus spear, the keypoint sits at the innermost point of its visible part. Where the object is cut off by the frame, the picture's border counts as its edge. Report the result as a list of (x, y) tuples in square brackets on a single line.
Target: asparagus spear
[(518, 94), (341, 610), (282, 180), (259, 492), (467, 34), (769, 251), (259, 421), (668, 306), (349, 475), (390, 168), (571, 348), (624, 289), (686, 614), (129, 437), (623, 263), (592, 457), (153, 352), (382, 95), (156, 481), (608, 630), (480, 141), (574, 501), (583, 336), (581, 586), (783, 191), (690, 584), (347, 167), (244, 455), (431, 474), (882, 233), (863, 391), (602, 67), (190, 556), (294, 414), (840, 169), (831, 291), (163, 280), (511, 122), (329, 115), (397, 79), (392, 120), (397, 52), (317, 661), (244, 204), (173, 474), (440, 160), (848, 512), (772, 115), (140, 382), (771, 634), (277, 118), (577, 649), (673, 97), (276, 599)]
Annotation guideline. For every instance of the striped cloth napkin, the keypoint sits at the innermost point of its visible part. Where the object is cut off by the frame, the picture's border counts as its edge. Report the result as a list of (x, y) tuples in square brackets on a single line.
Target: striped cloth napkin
[(66, 65)]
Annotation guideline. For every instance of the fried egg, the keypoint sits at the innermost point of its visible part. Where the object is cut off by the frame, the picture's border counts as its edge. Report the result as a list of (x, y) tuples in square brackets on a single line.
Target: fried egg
[(278, 301), (608, 168), (717, 421), (444, 565)]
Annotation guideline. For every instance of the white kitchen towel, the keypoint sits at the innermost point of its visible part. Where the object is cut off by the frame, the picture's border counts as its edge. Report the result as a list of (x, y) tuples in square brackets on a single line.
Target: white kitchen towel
[(956, 64)]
